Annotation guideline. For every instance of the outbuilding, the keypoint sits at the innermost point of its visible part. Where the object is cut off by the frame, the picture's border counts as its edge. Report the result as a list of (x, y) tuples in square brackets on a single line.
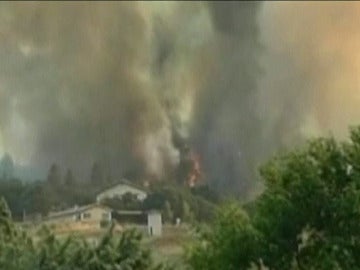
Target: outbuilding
[(154, 223)]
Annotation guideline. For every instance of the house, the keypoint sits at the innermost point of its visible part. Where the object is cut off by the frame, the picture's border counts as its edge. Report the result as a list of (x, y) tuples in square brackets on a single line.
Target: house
[(92, 215), (119, 190)]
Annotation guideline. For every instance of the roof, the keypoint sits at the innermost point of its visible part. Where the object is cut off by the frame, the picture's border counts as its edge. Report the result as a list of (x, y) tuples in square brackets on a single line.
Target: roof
[(137, 212), (75, 210), (129, 212), (153, 211), (123, 182)]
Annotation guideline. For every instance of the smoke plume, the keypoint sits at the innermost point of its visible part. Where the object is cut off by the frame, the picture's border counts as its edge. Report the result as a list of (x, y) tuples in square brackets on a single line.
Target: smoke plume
[(99, 81), (133, 84)]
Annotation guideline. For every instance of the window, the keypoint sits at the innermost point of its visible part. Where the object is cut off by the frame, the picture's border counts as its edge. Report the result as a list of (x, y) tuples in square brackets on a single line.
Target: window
[(87, 215)]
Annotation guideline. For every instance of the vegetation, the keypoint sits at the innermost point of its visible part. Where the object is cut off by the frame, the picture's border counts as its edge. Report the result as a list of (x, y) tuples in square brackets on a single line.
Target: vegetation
[(18, 251), (308, 217), (59, 192), (179, 202)]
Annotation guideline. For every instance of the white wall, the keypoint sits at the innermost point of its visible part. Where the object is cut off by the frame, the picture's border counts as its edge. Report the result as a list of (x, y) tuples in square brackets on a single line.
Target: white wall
[(154, 224)]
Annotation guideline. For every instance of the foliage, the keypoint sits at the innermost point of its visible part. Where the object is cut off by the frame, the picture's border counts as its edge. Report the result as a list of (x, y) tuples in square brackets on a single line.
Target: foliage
[(97, 176), (39, 197), (20, 252), (63, 190), (6, 167), (230, 243), (207, 193), (54, 176), (308, 217), (168, 214), (182, 202)]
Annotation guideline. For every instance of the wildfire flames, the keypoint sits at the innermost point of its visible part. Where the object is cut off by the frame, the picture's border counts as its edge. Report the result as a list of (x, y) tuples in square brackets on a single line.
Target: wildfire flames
[(195, 174)]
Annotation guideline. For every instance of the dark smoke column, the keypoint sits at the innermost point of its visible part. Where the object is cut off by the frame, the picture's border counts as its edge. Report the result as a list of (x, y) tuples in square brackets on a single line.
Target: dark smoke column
[(227, 131)]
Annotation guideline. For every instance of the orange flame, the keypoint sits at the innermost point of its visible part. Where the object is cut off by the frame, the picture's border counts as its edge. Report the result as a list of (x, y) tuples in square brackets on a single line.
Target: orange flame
[(195, 174)]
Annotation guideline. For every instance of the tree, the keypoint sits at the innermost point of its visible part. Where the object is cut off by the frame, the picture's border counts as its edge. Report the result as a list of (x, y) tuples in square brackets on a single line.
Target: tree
[(312, 192), (19, 251), (12, 190), (168, 213), (231, 242), (207, 193), (7, 167), (54, 177), (308, 217), (182, 201), (69, 179), (97, 175), (187, 214)]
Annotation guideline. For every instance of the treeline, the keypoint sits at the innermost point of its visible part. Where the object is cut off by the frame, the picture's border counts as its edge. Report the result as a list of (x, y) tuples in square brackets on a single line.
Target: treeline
[(56, 192), (175, 202), (60, 191)]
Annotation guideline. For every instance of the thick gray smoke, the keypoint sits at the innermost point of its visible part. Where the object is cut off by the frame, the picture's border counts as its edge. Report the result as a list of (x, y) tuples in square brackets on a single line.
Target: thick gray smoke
[(228, 129), (82, 82), (129, 84)]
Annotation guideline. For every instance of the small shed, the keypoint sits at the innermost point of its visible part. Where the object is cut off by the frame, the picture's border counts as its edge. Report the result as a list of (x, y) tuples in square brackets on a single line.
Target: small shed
[(154, 223)]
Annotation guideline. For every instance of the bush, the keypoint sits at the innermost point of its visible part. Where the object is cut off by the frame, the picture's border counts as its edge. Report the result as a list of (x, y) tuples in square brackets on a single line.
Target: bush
[(105, 223), (182, 202), (18, 251)]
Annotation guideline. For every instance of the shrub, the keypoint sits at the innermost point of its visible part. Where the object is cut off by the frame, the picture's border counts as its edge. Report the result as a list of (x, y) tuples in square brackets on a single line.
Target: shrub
[(18, 251)]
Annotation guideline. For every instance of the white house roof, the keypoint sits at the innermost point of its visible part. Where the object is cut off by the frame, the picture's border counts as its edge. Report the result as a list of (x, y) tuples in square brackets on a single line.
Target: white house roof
[(123, 182), (121, 189), (122, 185)]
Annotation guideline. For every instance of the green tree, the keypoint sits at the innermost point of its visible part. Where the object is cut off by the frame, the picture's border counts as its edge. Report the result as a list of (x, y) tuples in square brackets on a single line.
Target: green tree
[(7, 167), (97, 177), (231, 242), (187, 214), (314, 189), (168, 213), (18, 251), (69, 180), (198, 207), (54, 176), (308, 217)]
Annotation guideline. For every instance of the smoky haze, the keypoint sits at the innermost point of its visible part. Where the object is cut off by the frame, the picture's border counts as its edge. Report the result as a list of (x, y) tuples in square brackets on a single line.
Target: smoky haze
[(313, 65), (129, 84), (87, 82)]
